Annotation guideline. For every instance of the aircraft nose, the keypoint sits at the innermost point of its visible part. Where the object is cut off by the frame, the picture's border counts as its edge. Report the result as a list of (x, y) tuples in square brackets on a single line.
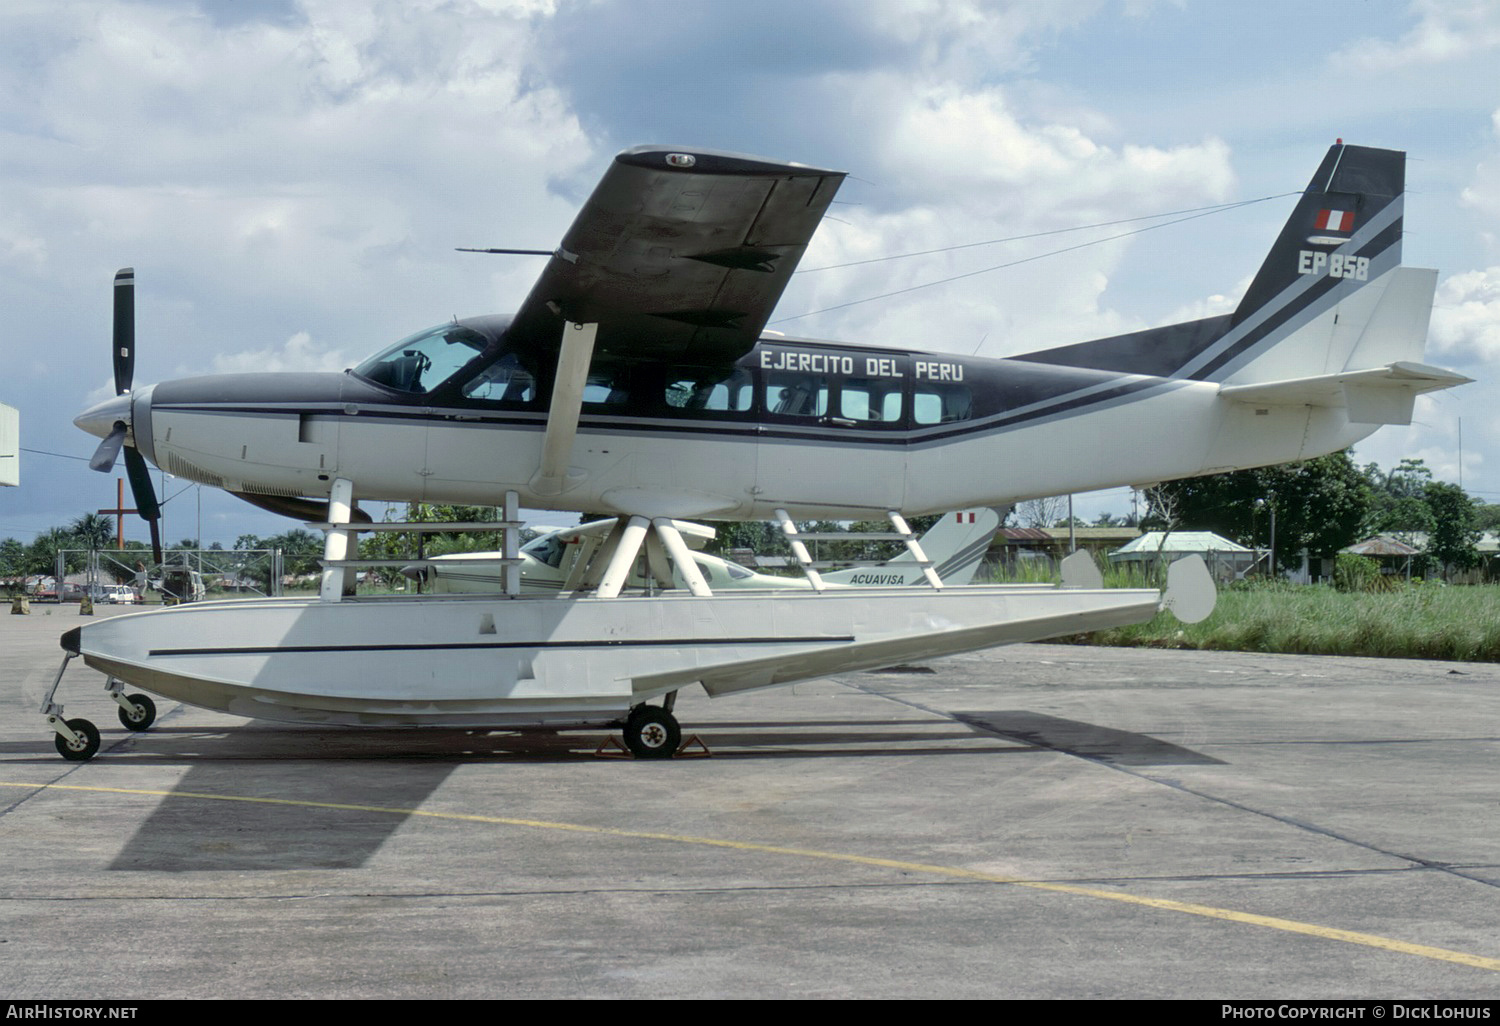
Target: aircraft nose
[(99, 420)]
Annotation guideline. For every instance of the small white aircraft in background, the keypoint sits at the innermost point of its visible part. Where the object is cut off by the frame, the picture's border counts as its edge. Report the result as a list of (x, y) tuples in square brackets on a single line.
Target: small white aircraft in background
[(558, 559), (634, 379)]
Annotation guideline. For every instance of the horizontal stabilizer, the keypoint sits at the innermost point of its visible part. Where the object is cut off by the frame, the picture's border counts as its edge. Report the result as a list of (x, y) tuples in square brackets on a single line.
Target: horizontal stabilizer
[(1380, 395)]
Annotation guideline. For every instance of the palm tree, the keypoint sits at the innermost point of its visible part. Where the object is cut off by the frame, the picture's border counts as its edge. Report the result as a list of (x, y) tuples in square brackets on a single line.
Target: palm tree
[(94, 531)]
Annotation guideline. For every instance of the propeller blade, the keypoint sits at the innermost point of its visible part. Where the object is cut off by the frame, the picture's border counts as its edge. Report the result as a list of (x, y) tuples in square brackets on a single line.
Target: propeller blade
[(124, 339), (155, 540), (109, 449), (145, 496)]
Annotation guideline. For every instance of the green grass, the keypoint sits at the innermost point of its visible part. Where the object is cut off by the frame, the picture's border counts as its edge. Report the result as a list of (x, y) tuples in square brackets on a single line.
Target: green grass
[(1422, 621)]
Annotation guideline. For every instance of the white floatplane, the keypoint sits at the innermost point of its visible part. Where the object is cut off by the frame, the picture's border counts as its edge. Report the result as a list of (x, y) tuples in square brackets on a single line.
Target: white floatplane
[(635, 380), (557, 560)]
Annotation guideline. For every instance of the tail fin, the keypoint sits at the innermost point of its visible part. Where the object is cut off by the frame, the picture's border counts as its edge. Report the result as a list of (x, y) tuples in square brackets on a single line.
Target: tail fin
[(955, 546), (1345, 228), (1342, 241)]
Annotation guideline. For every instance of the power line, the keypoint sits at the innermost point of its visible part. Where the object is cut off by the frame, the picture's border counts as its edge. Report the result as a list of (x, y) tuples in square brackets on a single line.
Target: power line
[(60, 455), (1055, 231), (1025, 260)]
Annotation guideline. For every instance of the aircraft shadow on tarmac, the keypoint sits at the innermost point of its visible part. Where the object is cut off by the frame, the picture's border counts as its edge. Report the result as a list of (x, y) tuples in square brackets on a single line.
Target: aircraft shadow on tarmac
[(402, 769), (1085, 740), (750, 739)]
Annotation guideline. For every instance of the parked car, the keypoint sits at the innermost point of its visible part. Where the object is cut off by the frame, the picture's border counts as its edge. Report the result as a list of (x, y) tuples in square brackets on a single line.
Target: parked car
[(118, 594), (181, 585)]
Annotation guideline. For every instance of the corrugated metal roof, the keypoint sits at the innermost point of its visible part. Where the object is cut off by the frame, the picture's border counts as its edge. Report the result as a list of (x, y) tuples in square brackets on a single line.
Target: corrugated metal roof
[(1178, 541), (1060, 534), (1025, 534), (1380, 546)]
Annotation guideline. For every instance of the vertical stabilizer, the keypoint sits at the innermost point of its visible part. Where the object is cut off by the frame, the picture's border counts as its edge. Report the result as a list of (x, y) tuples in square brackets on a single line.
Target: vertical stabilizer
[(1343, 235), (1324, 278), (1346, 227)]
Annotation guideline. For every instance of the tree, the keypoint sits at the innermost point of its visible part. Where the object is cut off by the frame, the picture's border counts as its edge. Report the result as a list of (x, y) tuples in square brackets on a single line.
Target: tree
[(12, 558), (94, 531), (1320, 505), (1397, 500), (1404, 519), (1486, 515), (414, 545), (1454, 538), (759, 536), (41, 554), (1042, 512), (300, 551)]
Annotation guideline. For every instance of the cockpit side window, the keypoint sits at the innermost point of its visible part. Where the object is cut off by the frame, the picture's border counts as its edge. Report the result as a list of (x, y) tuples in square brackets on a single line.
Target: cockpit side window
[(546, 549), (505, 380), (423, 362)]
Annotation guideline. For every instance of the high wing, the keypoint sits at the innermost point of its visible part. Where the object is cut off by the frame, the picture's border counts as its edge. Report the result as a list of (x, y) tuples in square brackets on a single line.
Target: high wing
[(679, 255)]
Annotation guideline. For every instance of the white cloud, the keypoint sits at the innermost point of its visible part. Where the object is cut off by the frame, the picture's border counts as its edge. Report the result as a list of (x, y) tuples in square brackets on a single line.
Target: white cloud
[(1483, 192), (298, 353), (972, 39), (959, 165), (1214, 305), (1466, 316), (1446, 30)]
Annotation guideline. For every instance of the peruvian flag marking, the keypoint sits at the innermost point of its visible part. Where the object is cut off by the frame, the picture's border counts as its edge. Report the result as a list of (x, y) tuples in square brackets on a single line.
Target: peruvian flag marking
[(1335, 221)]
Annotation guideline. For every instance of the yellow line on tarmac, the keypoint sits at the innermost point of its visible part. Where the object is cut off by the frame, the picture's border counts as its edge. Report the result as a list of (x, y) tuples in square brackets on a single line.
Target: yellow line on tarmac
[(1270, 922)]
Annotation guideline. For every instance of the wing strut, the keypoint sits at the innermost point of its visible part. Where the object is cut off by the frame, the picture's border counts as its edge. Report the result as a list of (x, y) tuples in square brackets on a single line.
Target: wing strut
[(799, 549), (681, 557), (915, 548), (623, 557), (553, 476)]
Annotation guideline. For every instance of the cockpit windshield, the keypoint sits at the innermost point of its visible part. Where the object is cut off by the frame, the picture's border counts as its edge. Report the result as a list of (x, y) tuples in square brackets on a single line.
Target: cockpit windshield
[(422, 362)]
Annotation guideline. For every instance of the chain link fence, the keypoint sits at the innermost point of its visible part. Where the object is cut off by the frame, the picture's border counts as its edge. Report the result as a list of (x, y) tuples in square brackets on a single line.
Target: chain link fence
[(183, 575)]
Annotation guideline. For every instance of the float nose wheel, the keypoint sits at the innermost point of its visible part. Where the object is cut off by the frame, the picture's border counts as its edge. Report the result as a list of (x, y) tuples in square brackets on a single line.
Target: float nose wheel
[(651, 732), (137, 712)]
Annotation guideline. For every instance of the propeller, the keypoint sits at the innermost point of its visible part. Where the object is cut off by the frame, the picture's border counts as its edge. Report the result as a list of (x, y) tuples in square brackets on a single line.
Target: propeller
[(104, 457)]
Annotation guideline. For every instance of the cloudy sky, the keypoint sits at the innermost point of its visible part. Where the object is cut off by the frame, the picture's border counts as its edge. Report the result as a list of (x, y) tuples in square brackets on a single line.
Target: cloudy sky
[(289, 177)]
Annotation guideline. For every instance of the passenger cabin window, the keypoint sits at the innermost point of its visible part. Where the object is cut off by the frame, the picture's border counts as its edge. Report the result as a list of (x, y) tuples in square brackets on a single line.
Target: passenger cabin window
[(871, 400), (704, 390), (940, 404), (607, 385), (796, 395), (422, 362)]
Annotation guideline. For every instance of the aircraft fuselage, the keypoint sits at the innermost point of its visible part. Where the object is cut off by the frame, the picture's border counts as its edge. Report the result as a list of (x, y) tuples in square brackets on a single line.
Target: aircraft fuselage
[(818, 429)]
